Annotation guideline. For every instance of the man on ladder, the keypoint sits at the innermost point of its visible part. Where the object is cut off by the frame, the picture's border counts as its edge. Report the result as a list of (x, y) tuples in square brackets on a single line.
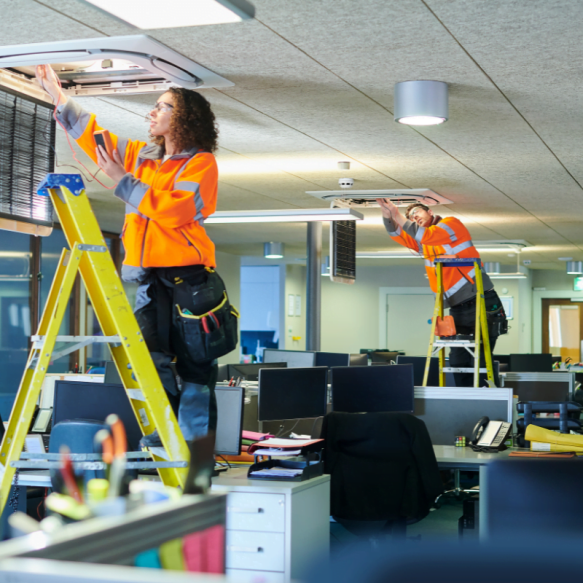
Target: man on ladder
[(432, 237)]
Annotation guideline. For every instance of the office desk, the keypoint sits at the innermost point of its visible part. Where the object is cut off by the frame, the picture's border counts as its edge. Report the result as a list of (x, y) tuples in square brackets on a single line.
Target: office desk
[(464, 458), (274, 529)]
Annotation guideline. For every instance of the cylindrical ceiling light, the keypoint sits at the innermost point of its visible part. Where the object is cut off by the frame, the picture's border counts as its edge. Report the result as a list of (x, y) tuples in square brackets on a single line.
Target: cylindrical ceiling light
[(492, 267), (273, 250), (575, 267), (421, 103)]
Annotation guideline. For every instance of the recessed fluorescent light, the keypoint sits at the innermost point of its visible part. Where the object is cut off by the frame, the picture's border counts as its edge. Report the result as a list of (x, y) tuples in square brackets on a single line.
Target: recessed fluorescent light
[(283, 216), (388, 255), (508, 276), (151, 14)]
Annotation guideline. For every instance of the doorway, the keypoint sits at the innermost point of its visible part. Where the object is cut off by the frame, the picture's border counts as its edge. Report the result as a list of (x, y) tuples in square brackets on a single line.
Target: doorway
[(562, 323)]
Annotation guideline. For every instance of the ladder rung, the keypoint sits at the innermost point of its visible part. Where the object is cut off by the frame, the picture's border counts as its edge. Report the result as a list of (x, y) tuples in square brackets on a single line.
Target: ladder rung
[(78, 338), (458, 369), (453, 343), (51, 465)]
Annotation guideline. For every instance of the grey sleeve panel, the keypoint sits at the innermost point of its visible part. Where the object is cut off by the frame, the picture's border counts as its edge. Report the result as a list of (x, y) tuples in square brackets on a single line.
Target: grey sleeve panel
[(411, 228), (122, 144), (131, 190), (392, 228), (74, 118)]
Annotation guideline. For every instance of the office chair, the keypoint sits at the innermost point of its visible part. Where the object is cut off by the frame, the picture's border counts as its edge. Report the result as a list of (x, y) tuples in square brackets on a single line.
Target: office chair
[(520, 560), (383, 471), (534, 497)]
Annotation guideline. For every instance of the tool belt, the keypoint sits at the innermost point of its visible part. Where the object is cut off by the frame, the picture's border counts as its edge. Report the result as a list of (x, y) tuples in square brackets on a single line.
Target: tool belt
[(194, 301), (497, 322)]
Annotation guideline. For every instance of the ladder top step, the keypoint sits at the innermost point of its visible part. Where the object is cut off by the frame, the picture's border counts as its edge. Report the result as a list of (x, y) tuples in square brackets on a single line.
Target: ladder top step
[(453, 343), (461, 369), (458, 261)]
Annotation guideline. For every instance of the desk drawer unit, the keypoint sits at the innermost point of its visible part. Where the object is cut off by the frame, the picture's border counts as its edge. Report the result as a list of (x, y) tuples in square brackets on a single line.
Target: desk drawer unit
[(260, 551), (256, 512), (244, 576)]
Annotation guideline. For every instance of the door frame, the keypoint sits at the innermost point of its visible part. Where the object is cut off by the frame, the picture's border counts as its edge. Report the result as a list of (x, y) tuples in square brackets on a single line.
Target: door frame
[(384, 292), (546, 304), (537, 312)]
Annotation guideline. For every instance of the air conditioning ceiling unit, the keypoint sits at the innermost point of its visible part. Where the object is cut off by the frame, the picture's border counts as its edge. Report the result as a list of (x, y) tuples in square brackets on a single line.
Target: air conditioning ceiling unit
[(110, 65), (366, 198)]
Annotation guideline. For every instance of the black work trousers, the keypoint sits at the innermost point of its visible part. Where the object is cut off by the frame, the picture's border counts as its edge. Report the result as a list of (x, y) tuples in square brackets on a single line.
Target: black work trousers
[(194, 375), (464, 316)]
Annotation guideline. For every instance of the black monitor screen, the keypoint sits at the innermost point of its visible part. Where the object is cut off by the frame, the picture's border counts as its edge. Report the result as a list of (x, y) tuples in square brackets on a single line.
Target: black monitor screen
[(419, 363), (229, 420), (330, 359), (373, 389), (294, 358), (384, 357), (77, 400), (531, 363), (292, 393), (250, 372)]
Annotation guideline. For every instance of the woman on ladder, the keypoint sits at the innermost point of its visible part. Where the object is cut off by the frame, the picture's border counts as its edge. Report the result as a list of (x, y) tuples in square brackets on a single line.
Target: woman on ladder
[(169, 188)]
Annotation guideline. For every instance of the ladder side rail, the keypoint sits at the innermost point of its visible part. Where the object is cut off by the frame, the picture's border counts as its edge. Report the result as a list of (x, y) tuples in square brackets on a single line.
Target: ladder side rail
[(30, 386), (436, 312), (440, 292), (485, 336), (478, 326)]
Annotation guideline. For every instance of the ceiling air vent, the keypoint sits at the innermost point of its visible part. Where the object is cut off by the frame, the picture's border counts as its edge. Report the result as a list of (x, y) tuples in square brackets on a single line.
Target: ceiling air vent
[(111, 65), (366, 198)]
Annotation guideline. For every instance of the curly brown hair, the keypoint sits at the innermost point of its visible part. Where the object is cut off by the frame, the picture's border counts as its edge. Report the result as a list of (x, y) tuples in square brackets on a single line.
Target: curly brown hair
[(193, 122)]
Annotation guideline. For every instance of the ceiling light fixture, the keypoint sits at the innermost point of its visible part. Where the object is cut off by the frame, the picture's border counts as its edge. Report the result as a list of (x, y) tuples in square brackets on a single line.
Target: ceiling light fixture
[(502, 246), (574, 267), (421, 103), (151, 14), (283, 216), (273, 250)]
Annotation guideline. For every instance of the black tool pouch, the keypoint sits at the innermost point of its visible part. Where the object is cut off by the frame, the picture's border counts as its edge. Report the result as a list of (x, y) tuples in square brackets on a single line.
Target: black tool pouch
[(497, 322), (206, 320)]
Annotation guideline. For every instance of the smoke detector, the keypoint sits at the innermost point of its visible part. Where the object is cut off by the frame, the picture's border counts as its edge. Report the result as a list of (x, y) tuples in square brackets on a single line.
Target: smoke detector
[(110, 65), (367, 198)]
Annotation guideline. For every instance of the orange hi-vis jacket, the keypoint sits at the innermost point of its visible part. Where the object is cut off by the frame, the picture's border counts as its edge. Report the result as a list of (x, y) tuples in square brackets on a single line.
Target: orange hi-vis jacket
[(445, 236), (166, 202)]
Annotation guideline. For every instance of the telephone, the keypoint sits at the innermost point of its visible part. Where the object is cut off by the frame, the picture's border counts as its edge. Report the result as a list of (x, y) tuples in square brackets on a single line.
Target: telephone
[(489, 436)]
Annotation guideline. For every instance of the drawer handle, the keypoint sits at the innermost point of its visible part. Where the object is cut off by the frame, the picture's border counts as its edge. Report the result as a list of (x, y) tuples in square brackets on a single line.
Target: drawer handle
[(236, 510), (245, 549)]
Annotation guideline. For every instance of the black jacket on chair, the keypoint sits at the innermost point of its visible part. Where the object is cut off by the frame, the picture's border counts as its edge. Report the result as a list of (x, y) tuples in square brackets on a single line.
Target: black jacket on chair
[(382, 466)]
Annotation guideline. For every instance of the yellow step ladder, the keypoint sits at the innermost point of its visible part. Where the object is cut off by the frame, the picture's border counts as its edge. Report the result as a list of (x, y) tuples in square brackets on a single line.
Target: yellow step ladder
[(90, 256), (437, 346)]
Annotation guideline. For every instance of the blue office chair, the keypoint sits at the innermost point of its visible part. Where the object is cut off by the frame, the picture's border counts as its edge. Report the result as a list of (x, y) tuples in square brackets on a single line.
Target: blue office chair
[(77, 435)]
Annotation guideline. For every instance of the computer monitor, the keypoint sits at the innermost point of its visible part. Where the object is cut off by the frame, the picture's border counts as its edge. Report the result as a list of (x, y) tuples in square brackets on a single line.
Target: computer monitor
[(531, 363), (384, 357), (111, 376), (419, 363), (250, 372), (222, 373), (293, 358), (79, 400), (229, 420), (330, 359), (358, 360), (373, 389), (292, 393)]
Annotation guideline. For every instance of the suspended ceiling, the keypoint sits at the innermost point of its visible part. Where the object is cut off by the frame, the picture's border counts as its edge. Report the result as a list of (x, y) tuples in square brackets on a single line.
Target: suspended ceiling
[(314, 85)]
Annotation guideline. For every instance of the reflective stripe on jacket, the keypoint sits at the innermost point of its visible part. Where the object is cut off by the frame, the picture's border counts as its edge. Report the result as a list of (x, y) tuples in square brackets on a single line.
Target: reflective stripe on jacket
[(446, 236), (166, 202)]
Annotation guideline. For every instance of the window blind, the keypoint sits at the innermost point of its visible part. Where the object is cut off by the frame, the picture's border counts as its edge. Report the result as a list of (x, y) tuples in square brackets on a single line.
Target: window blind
[(27, 142)]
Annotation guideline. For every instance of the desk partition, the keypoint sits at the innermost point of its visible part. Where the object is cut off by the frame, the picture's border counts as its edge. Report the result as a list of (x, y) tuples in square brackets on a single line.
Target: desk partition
[(452, 411), (540, 386)]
